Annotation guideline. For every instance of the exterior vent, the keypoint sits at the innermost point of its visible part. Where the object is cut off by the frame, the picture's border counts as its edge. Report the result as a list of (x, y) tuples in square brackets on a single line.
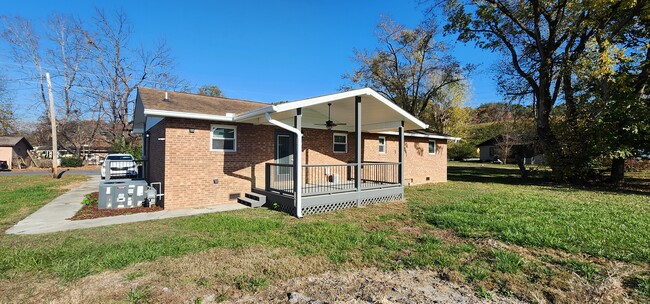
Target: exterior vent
[(166, 96)]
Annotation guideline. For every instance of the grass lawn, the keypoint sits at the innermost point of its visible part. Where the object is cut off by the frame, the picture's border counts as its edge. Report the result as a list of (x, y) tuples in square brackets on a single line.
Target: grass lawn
[(532, 240)]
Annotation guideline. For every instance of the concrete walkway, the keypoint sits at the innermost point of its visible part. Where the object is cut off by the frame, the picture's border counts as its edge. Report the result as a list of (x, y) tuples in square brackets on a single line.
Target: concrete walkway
[(53, 216)]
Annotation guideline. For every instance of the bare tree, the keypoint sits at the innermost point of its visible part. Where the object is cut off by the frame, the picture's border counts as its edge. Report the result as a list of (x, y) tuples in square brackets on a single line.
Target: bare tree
[(119, 68), (25, 49), (7, 121), (60, 49)]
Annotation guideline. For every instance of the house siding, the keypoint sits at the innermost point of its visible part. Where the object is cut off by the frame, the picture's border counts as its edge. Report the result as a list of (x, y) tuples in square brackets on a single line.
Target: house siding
[(6, 154), (190, 168)]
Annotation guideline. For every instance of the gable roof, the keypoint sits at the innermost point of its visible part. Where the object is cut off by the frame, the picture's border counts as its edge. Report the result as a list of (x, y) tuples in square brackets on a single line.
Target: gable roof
[(10, 141), (378, 114), (154, 100)]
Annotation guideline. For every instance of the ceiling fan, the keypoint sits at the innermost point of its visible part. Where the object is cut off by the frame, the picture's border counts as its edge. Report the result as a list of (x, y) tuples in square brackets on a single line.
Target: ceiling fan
[(329, 124)]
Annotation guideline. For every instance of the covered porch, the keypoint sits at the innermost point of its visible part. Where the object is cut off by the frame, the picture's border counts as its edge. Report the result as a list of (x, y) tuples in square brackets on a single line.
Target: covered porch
[(301, 186)]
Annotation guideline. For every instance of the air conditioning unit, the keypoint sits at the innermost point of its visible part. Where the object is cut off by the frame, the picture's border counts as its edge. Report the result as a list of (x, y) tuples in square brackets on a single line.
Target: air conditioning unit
[(125, 193)]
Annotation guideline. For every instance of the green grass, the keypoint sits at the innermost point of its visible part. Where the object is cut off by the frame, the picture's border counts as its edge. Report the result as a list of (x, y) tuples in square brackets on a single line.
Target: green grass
[(601, 224), (23, 194), (477, 203)]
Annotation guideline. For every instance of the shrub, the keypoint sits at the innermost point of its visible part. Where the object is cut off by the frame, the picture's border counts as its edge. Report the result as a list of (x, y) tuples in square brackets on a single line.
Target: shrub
[(44, 163), (461, 150), (90, 198), (73, 161)]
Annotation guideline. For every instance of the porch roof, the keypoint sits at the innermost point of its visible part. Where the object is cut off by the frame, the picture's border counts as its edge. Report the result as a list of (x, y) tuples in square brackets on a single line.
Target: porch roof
[(378, 113)]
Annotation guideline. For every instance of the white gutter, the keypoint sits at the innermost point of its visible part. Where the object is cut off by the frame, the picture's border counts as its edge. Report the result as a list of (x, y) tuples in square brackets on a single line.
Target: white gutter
[(297, 160), (163, 113)]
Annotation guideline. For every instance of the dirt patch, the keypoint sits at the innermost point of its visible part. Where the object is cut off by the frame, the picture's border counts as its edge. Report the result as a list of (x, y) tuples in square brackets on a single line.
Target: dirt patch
[(91, 209), (373, 286)]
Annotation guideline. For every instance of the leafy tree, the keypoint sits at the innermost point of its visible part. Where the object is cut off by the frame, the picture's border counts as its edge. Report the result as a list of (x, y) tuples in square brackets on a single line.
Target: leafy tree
[(542, 40), (210, 90), (414, 70), (613, 76)]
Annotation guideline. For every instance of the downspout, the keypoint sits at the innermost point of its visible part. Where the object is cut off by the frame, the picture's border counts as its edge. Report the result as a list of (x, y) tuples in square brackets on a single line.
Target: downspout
[(297, 159)]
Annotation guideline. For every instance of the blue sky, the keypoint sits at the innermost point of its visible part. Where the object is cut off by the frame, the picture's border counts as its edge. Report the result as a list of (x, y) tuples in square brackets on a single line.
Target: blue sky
[(260, 50)]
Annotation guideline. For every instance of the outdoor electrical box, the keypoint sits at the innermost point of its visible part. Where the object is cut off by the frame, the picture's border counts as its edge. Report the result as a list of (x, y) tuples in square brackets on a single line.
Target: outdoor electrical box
[(124, 193)]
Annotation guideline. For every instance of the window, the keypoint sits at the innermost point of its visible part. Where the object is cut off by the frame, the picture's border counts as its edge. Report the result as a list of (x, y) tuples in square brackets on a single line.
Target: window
[(224, 138), (340, 143), (432, 147), (382, 144)]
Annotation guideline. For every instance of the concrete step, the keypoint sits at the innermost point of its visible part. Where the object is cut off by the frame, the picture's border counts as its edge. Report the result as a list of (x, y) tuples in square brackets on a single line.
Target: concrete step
[(250, 202), (255, 196)]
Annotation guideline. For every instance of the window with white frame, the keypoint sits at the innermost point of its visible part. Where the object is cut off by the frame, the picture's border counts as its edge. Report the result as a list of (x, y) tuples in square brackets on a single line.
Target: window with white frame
[(432, 147), (382, 144), (340, 143), (224, 138)]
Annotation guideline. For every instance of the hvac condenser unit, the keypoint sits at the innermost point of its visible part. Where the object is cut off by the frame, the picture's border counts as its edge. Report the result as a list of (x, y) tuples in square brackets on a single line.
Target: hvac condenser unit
[(125, 193)]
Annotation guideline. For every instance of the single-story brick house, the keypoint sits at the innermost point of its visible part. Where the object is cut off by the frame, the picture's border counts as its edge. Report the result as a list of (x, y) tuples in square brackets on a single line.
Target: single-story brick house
[(210, 150), (12, 149)]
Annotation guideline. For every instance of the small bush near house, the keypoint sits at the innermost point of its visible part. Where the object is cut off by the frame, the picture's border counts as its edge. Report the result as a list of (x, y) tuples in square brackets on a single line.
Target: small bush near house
[(462, 150), (73, 161), (90, 198)]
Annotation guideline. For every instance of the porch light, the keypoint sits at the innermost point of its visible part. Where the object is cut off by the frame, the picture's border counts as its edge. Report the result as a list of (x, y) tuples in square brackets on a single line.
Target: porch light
[(192, 130)]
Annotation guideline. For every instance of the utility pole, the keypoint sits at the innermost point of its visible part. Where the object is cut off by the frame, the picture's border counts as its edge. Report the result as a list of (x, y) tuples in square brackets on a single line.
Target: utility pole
[(55, 147)]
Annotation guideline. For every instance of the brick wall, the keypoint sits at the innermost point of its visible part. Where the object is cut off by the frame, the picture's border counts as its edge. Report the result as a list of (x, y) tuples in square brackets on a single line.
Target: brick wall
[(190, 167), (418, 163)]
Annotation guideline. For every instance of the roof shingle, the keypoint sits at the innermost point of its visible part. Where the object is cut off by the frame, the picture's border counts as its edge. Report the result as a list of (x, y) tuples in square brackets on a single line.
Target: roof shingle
[(153, 99)]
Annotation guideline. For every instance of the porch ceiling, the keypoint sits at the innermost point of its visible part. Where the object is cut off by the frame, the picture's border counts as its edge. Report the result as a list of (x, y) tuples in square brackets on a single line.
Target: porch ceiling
[(377, 113)]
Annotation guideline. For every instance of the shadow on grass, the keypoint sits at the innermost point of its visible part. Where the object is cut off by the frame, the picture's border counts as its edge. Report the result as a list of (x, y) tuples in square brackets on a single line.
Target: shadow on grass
[(489, 174), (510, 176)]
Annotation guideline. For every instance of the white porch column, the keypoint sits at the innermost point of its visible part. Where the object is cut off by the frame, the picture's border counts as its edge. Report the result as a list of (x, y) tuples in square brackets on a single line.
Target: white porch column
[(359, 144), (400, 174), (297, 163)]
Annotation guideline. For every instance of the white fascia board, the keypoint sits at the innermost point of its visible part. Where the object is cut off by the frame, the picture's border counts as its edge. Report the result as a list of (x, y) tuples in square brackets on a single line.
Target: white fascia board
[(255, 113), (397, 109), (163, 113), (318, 100), (422, 135)]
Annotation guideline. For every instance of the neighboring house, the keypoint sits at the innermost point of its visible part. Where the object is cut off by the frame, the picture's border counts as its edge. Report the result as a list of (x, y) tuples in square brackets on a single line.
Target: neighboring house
[(209, 150), (489, 151), (12, 149)]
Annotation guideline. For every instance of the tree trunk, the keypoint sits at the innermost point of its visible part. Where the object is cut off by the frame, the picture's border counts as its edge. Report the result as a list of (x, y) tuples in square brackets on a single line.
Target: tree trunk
[(522, 167), (618, 171)]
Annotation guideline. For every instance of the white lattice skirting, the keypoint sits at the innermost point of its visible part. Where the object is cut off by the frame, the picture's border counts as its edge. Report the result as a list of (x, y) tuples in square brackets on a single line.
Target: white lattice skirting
[(349, 204)]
